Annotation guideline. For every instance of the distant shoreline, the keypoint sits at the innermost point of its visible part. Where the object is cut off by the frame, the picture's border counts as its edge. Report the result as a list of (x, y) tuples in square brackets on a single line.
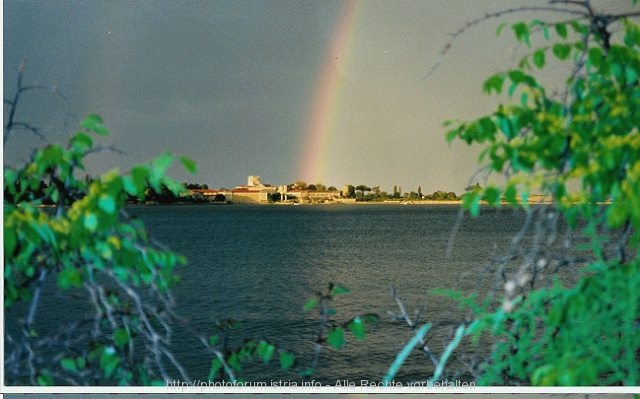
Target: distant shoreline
[(338, 203), (418, 202)]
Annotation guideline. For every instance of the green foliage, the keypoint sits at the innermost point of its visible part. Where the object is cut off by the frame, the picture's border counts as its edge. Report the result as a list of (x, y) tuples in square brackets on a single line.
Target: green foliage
[(357, 328), (82, 237), (86, 230), (339, 290), (589, 135), (581, 149), (583, 335), (335, 338), (287, 360)]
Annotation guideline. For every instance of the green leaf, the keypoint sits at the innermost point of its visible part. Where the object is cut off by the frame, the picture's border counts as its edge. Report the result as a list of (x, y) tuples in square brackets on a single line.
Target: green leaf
[(121, 337), (137, 182), (44, 380), (522, 32), (631, 76), (506, 126), (265, 351), (81, 362), (617, 71), (632, 35), (10, 241), (109, 361), (94, 123), (494, 83), (451, 135), (81, 142), (107, 203), (561, 51), (51, 155), (90, 221), (544, 376), (471, 202), (561, 30), (370, 318), (69, 277), (486, 127), (357, 328), (539, 59), (545, 32), (68, 364), (234, 362), (336, 338), (518, 76), (492, 195), (339, 290), (311, 303), (510, 194), (306, 373), (579, 28), (189, 165), (287, 360), (617, 214), (162, 164), (595, 56), (216, 365)]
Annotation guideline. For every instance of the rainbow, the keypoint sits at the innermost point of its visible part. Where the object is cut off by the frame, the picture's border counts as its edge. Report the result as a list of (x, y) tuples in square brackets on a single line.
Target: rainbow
[(312, 163)]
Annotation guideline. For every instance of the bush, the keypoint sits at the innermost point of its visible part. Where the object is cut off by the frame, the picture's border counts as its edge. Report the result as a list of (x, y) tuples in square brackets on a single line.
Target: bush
[(580, 149), (88, 246)]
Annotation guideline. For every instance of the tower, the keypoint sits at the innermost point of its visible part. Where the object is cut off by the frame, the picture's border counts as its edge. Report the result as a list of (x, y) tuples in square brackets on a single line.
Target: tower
[(253, 181)]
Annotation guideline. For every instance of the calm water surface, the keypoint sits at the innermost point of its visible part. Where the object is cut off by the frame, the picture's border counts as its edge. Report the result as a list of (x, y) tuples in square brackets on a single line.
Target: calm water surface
[(259, 265)]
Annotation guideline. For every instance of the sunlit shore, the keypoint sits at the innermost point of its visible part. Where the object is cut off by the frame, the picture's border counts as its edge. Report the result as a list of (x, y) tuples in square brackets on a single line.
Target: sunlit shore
[(409, 202)]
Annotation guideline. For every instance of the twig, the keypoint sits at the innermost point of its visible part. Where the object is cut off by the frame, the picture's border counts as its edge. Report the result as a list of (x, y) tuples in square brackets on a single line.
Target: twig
[(13, 105), (220, 357), (498, 14), (404, 353), (403, 315)]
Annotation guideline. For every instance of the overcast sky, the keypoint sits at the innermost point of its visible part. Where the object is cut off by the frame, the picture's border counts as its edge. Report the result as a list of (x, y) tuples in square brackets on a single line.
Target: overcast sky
[(231, 84)]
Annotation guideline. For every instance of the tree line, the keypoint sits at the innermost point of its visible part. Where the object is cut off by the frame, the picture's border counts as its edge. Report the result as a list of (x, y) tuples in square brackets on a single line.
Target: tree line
[(365, 193)]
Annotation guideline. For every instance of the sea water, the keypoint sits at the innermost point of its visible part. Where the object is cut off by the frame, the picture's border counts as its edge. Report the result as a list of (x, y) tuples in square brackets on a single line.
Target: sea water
[(258, 265)]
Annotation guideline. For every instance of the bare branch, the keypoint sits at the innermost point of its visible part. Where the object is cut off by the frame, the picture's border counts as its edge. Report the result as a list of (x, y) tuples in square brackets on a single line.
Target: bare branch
[(455, 35), (26, 126), (13, 104), (220, 357), (109, 148), (403, 315)]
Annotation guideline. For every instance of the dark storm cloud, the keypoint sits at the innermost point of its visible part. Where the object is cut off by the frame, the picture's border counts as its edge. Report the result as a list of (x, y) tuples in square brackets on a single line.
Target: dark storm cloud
[(210, 79)]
